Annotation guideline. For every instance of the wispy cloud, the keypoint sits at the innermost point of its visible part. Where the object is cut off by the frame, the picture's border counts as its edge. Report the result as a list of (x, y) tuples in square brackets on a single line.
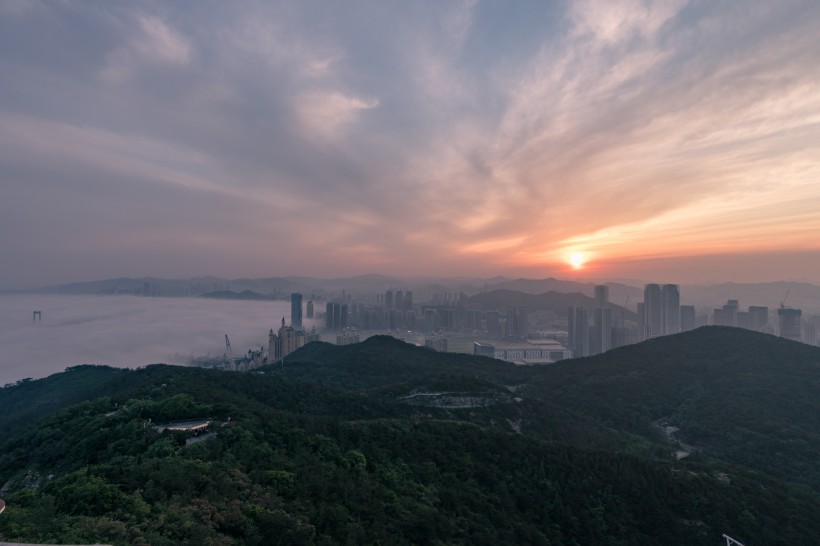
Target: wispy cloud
[(414, 137)]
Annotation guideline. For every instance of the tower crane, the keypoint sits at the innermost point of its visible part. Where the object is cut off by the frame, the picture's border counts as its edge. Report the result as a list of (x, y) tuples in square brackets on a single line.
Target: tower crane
[(783, 303), (227, 344)]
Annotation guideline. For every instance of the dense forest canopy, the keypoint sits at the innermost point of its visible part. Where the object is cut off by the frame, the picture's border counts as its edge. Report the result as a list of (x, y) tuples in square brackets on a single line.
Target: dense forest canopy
[(385, 443)]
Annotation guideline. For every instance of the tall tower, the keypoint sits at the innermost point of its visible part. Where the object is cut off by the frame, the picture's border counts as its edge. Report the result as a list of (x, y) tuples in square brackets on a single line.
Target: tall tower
[(671, 309), (309, 309), (601, 296), (789, 321), (687, 318), (330, 318), (578, 327), (296, 310), (759, 317), (602, 320), (517, 321), (653, 310)]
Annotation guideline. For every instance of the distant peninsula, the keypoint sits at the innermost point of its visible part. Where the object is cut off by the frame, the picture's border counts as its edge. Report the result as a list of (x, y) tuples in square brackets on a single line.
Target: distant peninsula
[(231, 295)]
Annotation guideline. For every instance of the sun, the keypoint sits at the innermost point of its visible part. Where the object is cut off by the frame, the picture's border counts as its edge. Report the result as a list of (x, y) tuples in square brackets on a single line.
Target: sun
[(577, 260)]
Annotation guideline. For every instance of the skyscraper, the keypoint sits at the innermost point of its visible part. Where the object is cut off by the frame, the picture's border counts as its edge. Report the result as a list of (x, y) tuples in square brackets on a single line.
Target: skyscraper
[(493, 324), (759, 316), (601, 296), (671, 309), (309, 309), (789, 322), (687, 318), (287, 341), (727, 315), (296, 310), (517, 321), (330, 319), (602, 320), (578, 329), (653, 310)]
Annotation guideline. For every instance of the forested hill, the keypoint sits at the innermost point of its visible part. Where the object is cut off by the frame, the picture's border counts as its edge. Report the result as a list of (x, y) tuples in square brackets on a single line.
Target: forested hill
[(383, 442), (734, 394)]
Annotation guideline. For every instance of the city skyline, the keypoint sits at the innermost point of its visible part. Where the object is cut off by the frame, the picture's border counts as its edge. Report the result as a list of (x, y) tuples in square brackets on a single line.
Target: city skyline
[(668, 141)]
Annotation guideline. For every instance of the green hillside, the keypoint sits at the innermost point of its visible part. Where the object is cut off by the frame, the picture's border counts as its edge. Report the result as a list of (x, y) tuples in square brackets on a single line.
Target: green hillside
[(386, 443), (738, 395)]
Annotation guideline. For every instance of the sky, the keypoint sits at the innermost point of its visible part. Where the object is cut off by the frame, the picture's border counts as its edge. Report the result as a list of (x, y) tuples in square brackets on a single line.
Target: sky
[(671, 140)]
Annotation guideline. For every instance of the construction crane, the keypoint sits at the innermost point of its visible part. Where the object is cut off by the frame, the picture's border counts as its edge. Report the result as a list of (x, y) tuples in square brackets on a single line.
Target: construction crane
[(730, 541), (227, 344), (783, 303)]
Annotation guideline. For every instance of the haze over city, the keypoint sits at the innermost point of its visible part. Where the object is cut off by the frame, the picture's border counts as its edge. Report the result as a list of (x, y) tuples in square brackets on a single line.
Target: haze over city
[(670, 141)]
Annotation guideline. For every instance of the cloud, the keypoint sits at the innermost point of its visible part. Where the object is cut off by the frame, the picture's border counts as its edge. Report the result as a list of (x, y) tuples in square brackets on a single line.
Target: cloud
[(326, 114), (458, 137), (153, 42), (125, 331)]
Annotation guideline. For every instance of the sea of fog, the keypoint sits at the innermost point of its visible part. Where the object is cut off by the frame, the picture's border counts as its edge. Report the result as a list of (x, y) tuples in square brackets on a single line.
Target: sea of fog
[(126, 331)]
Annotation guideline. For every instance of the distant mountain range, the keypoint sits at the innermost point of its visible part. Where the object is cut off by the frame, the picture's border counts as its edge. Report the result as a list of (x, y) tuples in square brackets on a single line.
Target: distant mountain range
[(552, 301), (677, 441), (704, 297)]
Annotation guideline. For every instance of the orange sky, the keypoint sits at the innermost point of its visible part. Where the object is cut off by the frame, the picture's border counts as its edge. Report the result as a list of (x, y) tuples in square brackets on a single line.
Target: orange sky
[(662, 139)]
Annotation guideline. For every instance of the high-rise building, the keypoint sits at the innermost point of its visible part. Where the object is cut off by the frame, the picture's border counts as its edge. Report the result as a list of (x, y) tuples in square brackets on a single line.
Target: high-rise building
[(810, 332), (653, 310), (601, 296), (578, 329), (727, 315), (670, 294), (296, 310), (687, 318), (309, 312), (330, 319), (493, 324), (517, 321), (408, 300), (398, 300), (602, 330), (285, 342), (759, 317), (601, 339), (789, 322), (388, 299)]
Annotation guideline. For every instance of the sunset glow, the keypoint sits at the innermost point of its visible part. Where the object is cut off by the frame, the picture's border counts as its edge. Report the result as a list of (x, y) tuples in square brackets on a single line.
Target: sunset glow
[(664, 133), (576, 260)]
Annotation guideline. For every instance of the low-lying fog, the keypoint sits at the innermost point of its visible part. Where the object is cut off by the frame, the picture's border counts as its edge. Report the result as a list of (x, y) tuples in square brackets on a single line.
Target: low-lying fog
[(126, 331)]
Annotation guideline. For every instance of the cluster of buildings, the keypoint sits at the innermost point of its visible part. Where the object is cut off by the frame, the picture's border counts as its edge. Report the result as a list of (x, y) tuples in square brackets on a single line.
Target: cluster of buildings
[(505, 334), (661, 313), (290, 337), (790, 323)]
